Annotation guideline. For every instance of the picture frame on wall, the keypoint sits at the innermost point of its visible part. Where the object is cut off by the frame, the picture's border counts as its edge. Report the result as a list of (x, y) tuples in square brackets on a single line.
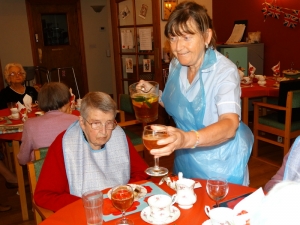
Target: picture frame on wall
[(167, 7)]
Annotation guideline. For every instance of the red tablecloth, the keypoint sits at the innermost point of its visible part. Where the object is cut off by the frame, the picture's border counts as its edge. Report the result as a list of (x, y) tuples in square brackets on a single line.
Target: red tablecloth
[(74, 213), (18, 135), (260, 91)]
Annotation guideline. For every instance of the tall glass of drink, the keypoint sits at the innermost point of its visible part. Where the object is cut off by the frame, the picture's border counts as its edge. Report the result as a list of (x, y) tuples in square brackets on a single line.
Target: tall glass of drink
[(151, 134), (145, 101), (122, 198)]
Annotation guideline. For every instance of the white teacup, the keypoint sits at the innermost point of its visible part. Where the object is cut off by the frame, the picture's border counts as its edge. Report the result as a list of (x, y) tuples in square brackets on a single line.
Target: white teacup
[(160, 207), (220, 215)]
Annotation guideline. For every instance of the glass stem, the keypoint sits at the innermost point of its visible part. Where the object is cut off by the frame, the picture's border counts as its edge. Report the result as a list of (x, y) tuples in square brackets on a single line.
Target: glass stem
[(156, 163), (123, 216)]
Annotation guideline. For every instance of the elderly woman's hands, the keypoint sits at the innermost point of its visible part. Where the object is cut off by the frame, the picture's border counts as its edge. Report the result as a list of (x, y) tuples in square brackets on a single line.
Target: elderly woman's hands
[(177, 139)]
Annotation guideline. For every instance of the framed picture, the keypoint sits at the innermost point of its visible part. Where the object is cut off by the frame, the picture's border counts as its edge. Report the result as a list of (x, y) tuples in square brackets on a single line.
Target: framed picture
[(167, 6)]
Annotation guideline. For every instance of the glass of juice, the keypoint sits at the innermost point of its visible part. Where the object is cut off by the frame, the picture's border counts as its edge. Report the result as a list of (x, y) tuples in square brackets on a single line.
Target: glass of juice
[(151, 134), (145, 101), (122, 198)]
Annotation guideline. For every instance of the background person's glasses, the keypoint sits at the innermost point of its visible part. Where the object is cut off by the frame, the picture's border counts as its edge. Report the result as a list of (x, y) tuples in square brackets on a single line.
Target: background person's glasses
[(109, 125), (15, 74)]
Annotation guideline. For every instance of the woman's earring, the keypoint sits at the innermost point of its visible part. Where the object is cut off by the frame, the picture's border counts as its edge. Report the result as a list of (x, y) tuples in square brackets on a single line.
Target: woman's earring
[(206, 45)]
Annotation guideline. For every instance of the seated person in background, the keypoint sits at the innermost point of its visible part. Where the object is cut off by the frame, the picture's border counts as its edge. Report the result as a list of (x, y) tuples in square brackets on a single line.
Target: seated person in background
[(279, 207), (290, 168), (38, 132), (92, 154), (15, 75)]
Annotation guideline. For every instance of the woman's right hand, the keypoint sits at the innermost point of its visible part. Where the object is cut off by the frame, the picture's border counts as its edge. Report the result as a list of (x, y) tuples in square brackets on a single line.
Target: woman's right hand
[(144, 86)]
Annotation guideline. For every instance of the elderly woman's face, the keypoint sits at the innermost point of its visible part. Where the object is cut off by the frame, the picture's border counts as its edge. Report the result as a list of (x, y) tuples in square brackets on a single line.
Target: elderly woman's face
[(97, 138), (16, 75), (189, 49)]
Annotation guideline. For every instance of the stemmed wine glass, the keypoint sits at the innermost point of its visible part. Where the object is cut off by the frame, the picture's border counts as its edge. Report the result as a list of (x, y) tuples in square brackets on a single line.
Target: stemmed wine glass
[(217, 188), (151, 134), (122, 198)]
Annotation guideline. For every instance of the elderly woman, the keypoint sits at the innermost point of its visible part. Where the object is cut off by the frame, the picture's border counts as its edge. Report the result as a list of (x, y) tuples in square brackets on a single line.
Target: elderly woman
[(202, 94), (92, 154), (38, 132), (15, 75)]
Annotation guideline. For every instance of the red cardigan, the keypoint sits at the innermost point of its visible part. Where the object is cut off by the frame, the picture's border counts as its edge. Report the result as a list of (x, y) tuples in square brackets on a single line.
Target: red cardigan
[(52, 189)]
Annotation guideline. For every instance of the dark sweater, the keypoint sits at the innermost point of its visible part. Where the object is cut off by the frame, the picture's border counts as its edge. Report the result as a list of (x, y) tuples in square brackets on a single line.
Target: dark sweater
[(8, 95)]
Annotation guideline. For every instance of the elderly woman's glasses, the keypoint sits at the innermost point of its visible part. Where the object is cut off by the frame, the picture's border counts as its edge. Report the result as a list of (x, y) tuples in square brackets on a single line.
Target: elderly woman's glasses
[(109, 125), (15, 74)]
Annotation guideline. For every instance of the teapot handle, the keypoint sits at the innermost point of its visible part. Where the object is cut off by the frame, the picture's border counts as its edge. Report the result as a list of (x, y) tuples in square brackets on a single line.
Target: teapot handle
[(207, 210)]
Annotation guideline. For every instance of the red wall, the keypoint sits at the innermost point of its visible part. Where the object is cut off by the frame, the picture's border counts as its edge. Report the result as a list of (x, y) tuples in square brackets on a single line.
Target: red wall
[(281, 43)]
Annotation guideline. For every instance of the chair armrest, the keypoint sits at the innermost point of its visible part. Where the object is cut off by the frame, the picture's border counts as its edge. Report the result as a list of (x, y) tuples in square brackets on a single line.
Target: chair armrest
[(122, 115), (128, 123), (270, 106)]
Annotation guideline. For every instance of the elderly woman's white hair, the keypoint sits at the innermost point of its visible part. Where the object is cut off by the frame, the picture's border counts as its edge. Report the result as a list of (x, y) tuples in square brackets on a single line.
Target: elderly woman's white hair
[(280, 206)]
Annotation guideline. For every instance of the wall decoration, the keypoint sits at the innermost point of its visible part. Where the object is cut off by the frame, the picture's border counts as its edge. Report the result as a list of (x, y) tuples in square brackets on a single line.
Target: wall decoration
[(129, 65), (143, 11), (125, 12), (167, 6), (146, 65), (291, 16)]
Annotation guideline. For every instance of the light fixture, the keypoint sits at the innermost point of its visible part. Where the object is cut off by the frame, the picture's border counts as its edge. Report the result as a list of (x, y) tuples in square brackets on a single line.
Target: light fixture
[(97, 8)]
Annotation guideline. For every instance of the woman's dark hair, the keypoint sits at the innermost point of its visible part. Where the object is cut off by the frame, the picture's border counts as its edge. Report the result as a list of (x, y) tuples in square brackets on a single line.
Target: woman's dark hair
[(185, 11), (53, 96)]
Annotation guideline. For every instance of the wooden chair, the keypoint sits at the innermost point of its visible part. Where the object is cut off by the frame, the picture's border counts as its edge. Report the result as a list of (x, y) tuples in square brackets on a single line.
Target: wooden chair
[(272, 124), (34, 169), (40, 153), (126, 108)]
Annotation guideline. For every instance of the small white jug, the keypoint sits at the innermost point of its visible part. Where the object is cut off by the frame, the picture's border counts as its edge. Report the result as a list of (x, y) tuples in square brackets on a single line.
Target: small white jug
[(185, 196)]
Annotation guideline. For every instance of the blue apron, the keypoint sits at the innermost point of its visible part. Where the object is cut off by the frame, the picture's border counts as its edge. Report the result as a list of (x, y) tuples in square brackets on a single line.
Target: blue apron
[(228, 160)]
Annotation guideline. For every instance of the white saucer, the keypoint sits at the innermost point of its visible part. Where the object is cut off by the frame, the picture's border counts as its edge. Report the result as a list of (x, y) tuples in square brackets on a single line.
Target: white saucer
[(175, 213), (12, 118), (139, 191), (207, 222)]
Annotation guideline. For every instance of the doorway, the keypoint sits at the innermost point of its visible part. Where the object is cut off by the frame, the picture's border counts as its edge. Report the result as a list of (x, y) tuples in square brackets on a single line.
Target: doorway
[(56, 36)]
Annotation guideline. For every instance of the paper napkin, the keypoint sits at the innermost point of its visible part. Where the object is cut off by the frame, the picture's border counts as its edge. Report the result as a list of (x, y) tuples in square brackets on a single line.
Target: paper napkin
[(245, 207), (27, 102), (23, 111)]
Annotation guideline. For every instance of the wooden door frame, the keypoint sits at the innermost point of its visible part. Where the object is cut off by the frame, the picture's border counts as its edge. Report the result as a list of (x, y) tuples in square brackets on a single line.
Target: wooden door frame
[(117, 41), (80, 29)]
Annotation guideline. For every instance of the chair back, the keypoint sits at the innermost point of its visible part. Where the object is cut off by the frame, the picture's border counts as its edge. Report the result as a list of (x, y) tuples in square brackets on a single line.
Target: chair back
[(285, 87), (30, 74), (125, 103), (34, 170), (42, 74), (40, 153)]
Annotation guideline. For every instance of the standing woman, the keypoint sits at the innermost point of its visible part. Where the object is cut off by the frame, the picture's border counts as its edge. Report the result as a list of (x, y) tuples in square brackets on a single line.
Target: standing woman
[(15, 75), (202, 94)]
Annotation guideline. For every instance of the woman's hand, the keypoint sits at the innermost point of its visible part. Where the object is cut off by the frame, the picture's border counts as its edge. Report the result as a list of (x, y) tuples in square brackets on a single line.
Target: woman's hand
[(143, 86), (177, 139)]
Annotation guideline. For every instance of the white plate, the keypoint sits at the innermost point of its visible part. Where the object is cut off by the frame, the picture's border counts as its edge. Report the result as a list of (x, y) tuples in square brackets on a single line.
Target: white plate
[(295, 72), (207, 222), (139, 191), (175, 213), (12, 118)]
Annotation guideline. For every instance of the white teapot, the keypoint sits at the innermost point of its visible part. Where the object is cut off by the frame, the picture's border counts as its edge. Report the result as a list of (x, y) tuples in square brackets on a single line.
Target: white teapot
[(185, 196)]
